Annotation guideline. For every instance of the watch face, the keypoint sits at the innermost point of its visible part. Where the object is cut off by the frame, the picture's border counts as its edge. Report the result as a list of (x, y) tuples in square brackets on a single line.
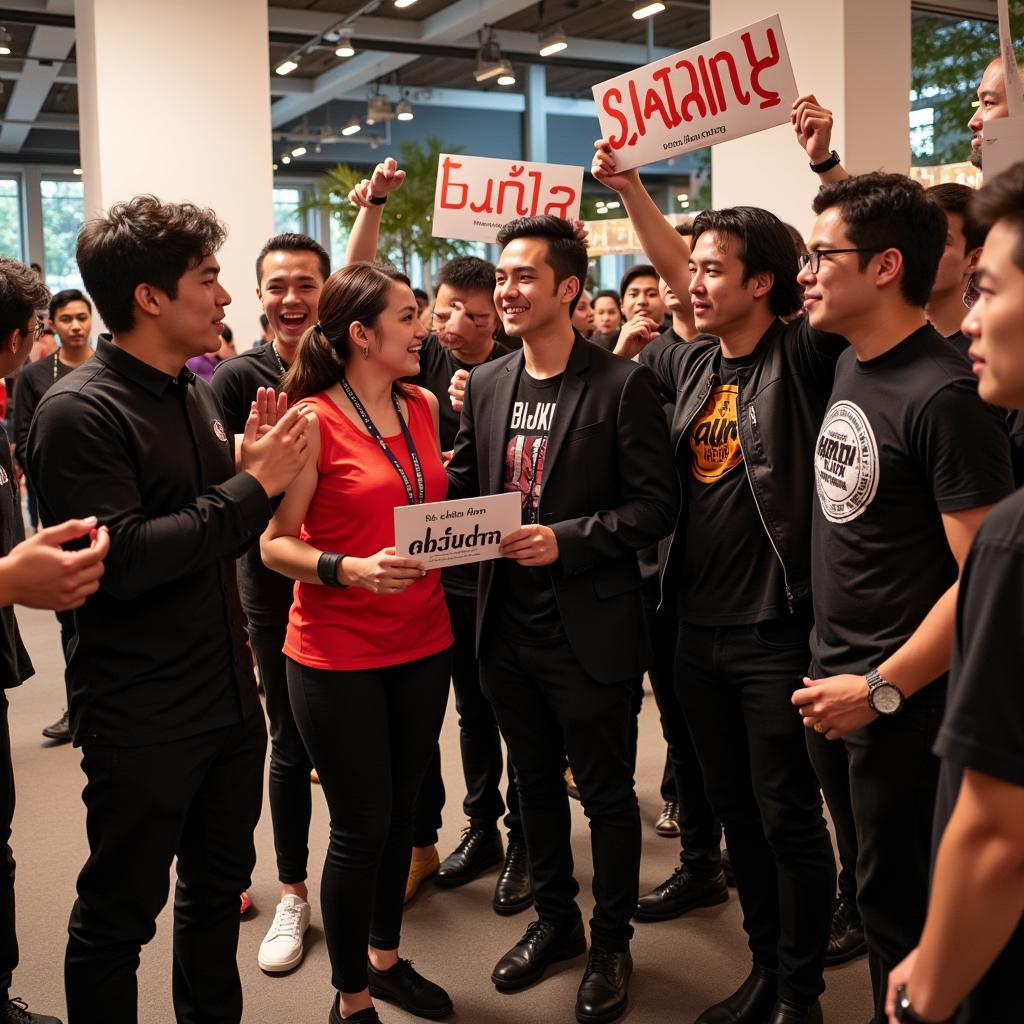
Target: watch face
[(887, 699)]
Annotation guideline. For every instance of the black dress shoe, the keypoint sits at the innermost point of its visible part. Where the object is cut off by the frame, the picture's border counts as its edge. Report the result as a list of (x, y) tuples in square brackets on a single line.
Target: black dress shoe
[(751, 1003), (408, 989), (513, 892), (604, 990), (479, 850), (846, 940), (681, 892), (16, 1011), (359, 1017), (60, 730), (786, 1012), (542, 945)]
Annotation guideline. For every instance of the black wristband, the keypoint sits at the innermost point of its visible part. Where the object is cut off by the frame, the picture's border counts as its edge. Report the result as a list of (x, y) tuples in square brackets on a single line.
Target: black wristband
[(327, 569), (904, 1010), (381, 200), (832, 160)]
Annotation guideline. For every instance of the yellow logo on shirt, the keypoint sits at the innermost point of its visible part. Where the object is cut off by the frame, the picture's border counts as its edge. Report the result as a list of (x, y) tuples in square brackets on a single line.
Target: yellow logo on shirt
[(714, 435)]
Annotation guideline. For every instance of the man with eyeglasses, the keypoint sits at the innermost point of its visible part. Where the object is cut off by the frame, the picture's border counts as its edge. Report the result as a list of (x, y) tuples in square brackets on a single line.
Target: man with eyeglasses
[(465, 330)]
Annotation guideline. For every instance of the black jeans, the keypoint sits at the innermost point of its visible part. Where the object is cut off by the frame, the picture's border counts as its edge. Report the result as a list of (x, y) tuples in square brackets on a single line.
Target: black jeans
[(547, 706), (832, 766), (700, 831), (8, 934), (370, 733), (893, 781), (735, 684), (291, 802), (479, 742), (198, 798)]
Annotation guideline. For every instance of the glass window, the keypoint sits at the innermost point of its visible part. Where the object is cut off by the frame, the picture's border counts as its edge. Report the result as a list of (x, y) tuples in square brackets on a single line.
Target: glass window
[(338, 241), (922, 131), (10, 219), (286, 211), (63, 213)]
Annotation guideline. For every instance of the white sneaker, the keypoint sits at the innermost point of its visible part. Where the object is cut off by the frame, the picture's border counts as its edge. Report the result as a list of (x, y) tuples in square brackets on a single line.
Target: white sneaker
[(281, 948)]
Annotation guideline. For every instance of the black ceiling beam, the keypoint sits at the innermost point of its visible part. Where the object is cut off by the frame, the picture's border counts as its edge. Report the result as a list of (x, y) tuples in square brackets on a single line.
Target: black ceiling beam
[(9, 17)]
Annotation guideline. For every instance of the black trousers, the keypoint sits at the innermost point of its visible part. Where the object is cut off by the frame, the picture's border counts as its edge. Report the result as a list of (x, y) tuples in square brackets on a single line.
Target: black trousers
[(735, 684), (668, 789), (893, 781), (479, 742), (700, 831), (198, 799), (547, 706), (371, 734), (291, 802), (8, 933), (832, 766)]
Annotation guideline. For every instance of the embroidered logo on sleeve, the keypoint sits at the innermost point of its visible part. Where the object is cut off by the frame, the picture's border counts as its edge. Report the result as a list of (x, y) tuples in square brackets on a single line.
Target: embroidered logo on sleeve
[(845, 463), (219, 431)]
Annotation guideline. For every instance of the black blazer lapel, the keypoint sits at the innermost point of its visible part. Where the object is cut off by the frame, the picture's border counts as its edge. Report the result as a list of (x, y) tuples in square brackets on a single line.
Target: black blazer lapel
[(569, 395), (501, 409)]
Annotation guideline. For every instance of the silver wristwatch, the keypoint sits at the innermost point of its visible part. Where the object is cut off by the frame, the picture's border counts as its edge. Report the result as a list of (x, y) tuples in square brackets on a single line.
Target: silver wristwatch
[(884, 698)]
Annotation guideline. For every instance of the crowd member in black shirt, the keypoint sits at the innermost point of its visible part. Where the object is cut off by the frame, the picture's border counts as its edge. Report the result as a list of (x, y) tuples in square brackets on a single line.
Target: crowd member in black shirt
[(465, 325), (908, 462), (36, 573), (748, 402), (580, 435), (163, 698), (71, 315), (972, 950)]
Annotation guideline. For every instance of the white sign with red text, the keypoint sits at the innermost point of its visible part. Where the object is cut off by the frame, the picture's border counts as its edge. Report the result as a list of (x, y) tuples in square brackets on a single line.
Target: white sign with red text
[(732, 86), (477, 195)]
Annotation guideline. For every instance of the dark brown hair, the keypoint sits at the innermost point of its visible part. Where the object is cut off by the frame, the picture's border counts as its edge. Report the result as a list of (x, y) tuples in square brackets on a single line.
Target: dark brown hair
[(358, 293), (291, 241), (21, 293), (143, 241), (567, 255), (1002, 199)]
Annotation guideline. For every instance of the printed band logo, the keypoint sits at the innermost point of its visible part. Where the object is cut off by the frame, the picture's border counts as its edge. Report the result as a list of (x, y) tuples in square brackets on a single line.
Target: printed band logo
[(4, 478), (845, 463), (218, 429), (714, 436)]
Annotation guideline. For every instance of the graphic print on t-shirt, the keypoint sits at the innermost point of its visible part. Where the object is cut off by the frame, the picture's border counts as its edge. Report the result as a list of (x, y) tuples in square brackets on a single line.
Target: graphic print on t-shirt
[(524, 454), (845, 463), (714, 435)]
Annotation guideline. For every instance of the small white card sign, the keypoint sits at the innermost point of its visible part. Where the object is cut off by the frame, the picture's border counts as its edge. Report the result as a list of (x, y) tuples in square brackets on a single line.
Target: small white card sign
[(1002, 145), (477, 195), (453, 532), (732, 86)]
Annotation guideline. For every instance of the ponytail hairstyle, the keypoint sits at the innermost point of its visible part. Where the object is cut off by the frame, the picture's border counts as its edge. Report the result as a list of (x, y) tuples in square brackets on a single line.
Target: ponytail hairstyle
[(357, 293)]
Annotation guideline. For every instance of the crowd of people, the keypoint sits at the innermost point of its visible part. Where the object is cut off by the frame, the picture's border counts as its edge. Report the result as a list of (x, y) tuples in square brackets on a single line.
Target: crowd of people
[(775, 474)]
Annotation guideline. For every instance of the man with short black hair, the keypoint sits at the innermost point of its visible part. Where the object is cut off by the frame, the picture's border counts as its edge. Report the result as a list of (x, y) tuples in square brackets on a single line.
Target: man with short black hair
[(163, 699), (580, 435), (907, 464)]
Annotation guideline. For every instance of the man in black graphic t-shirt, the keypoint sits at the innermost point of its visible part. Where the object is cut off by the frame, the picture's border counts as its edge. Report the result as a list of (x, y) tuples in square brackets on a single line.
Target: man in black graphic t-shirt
[(908, 462), (560, 625)]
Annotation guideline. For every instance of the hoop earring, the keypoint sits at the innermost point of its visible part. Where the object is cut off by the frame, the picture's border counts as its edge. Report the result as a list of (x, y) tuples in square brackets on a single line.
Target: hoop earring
[(366, 352)]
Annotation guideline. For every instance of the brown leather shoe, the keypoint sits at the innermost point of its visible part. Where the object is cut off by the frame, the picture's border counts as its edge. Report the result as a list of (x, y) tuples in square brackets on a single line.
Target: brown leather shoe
[(419, 872)]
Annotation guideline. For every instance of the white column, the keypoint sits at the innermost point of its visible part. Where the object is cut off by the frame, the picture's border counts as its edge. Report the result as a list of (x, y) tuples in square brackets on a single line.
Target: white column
[(535, 122), (174, 100), (855, 67)]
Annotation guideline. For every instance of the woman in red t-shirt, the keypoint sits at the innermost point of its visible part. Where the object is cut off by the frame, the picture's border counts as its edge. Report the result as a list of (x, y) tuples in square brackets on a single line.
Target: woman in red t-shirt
[(368, 634)]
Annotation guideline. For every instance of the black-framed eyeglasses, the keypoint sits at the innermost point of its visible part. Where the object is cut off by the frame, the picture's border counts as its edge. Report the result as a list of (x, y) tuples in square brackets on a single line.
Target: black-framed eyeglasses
[(813, 259), (476, 319)]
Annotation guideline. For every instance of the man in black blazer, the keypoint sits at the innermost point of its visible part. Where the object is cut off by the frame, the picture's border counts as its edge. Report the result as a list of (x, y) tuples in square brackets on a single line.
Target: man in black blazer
[(580, 434)]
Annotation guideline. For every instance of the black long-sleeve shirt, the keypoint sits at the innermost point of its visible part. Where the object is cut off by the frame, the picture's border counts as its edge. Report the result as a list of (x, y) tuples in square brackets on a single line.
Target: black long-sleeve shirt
[(34, 381), (161, 652), (15, 666)]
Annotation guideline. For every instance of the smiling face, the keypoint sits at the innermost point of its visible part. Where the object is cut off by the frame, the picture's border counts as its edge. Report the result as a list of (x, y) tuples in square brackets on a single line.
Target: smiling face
[(642, 296), (465, 320), (73, 322), (722, 301), (394, 342), (290, 287), (995, 324), (528, 298), (607, 317)]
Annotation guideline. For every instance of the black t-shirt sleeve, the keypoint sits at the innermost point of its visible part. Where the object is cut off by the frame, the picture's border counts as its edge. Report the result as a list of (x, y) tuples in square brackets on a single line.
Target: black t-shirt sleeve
[(815, 352), (26, 399), (983, 728), (961, 445), (229, 384)]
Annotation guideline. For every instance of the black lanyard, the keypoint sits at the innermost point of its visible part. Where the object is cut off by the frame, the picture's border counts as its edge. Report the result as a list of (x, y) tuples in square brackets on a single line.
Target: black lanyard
[(421, 492)]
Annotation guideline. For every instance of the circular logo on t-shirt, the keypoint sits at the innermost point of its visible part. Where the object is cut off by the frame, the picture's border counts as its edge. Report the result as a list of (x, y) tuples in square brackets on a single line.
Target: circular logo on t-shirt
[(714, 436), (218, 429), (845, 463)]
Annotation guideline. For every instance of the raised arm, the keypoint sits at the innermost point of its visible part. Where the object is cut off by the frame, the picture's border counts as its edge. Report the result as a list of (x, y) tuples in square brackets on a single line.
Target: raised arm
[(362, 242), (813, 126)]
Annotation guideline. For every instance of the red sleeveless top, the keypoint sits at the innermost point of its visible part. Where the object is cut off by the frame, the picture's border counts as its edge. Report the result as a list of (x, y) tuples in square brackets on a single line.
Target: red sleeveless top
[(352, 512)]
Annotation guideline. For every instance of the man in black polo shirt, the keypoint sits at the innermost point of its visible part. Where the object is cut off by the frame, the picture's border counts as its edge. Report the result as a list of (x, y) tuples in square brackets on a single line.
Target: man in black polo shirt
[(972, 950), (36, 573), (465, 327), (907, 464), (163, 699)]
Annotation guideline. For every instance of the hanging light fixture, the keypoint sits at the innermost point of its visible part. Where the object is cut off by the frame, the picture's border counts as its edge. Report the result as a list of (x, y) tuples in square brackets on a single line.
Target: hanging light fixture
[(646, 8), (352, 127), (553, 42), (5, 41), (404, 110), (345, 47), (286, 67)]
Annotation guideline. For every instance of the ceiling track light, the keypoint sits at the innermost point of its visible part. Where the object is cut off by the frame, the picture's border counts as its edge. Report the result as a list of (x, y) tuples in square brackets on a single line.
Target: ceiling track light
[(378, 109), (646, 8), (553, 42), (298, 151), (508, 78), (285, 158), (355, 125), (345, 47), (404, 110), (286, 67), (5, 41)]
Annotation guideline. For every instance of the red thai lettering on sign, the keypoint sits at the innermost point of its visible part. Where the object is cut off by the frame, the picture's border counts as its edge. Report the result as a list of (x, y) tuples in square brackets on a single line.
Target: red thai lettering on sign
[(517, 193)]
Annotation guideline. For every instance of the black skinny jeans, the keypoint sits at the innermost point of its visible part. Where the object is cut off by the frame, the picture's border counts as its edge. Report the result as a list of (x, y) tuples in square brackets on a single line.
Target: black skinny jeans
[(8, 935), (735, 684), (832, 766), (371, 734), (291, 802)]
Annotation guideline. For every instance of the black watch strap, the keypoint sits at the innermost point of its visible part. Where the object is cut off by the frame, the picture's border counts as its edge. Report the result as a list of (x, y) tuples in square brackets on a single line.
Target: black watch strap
[(381, 200), (327, 569), (904, 1009), (827, 164)]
